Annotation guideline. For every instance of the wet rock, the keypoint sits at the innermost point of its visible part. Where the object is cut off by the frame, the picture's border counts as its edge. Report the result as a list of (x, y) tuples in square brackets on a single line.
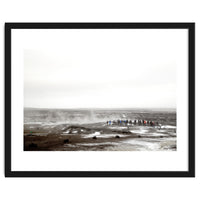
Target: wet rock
[(33, 145), (117, 136), (95, 137), (30, 135), (66, 140), (173, 147), (139, 136), (126, 132)]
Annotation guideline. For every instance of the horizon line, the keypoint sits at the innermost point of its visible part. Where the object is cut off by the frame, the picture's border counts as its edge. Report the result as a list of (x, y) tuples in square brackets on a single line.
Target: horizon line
[(102, 108)]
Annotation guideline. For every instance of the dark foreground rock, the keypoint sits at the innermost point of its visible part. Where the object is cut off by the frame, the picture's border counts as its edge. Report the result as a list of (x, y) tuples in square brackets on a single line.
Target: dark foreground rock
[(33, 145)]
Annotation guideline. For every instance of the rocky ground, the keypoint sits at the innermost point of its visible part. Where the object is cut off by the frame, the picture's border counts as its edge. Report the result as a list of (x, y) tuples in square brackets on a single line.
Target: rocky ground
[(98, 137)]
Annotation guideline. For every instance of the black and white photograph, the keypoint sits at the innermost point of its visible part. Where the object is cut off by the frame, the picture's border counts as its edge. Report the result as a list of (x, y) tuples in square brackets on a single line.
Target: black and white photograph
[(101, 90)]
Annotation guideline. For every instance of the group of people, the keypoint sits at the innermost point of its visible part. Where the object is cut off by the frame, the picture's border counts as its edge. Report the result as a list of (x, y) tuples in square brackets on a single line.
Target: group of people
[(131, 122)]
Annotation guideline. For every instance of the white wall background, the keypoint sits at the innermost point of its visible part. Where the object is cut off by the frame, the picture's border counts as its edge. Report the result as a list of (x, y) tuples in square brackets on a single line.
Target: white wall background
[(102, 11)]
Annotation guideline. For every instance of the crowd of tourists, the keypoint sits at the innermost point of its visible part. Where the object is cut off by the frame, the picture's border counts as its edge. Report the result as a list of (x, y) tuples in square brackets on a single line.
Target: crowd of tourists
[(132, 122)]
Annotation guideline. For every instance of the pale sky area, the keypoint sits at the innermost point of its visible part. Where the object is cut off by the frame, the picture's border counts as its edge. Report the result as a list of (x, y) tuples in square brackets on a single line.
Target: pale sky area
[(133, 68)]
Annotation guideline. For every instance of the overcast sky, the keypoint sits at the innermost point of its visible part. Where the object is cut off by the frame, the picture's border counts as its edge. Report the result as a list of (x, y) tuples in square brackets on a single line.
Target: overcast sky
[(101, 68)]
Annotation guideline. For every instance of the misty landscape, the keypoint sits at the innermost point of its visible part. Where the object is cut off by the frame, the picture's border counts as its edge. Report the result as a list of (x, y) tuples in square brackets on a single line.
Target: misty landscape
[(101, 90), (99, 130)]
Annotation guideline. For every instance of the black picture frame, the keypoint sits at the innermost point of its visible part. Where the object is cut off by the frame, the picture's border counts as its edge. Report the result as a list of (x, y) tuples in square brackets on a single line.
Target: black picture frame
[(191, 99)]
